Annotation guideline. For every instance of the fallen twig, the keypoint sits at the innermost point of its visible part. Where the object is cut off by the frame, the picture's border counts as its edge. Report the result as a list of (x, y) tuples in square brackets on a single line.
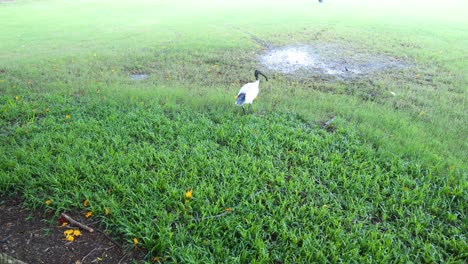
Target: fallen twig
[(82, 260), (124, 256), (4, 258), (74, 222), (110, 239), (5, 239), (100, 248)]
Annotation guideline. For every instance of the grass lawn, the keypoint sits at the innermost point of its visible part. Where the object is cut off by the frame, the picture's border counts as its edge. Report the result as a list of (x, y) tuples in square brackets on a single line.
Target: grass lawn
[(387, 182)]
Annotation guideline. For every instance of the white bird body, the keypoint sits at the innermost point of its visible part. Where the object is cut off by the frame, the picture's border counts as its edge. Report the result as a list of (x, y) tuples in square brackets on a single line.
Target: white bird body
[(249, 91)]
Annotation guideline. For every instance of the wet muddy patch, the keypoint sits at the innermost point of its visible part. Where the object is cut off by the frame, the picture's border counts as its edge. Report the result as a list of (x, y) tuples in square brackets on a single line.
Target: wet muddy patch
[(329, 60), (139, 76)]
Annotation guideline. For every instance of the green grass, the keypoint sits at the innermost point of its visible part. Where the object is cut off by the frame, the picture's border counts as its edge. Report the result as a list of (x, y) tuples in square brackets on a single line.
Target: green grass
[(388, 185)]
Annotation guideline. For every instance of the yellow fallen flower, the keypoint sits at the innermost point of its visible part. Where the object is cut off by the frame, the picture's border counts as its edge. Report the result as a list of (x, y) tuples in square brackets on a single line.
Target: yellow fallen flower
[(188, 194)]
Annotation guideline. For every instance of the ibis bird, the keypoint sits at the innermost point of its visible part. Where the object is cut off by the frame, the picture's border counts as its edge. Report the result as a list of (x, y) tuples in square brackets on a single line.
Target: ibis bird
[(249, 91)]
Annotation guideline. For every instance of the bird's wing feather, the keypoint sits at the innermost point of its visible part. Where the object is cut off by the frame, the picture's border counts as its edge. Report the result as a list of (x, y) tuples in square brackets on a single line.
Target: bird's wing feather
[(246, 87), (251, 95)]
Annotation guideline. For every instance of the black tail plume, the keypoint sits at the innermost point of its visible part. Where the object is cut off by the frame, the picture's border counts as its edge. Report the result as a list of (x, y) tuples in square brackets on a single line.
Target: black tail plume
[(240, 99)]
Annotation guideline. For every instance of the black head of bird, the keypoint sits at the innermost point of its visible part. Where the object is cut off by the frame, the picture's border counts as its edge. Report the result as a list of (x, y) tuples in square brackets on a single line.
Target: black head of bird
[(257, 72)]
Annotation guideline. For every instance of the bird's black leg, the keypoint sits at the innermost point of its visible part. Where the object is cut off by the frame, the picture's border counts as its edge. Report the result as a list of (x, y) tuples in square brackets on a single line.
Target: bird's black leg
[(243, 110)]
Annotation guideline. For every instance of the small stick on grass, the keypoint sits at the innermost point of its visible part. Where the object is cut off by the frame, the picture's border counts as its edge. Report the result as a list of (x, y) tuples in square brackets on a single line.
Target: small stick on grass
[(74, 222)]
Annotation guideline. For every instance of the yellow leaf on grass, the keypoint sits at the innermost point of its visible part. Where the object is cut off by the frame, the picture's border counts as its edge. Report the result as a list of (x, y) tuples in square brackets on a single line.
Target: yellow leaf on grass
[(48, 202), (135, 241), (188, 194), (67, 117), (68, 232), (86, 202), (88, 214), (76, 232), (106, 211), (64, 224)]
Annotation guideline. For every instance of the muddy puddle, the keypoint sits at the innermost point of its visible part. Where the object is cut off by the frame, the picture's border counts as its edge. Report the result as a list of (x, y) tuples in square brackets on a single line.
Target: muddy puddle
[(327, 59), (139, 76)]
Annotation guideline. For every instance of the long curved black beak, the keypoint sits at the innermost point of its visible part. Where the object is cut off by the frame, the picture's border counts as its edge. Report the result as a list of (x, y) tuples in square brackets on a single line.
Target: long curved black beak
[(257, 72), (264, 76)]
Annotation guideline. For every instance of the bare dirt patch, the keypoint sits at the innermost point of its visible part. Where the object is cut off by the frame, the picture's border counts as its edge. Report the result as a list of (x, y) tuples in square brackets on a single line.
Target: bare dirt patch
[(332, 60), (29, 236)]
